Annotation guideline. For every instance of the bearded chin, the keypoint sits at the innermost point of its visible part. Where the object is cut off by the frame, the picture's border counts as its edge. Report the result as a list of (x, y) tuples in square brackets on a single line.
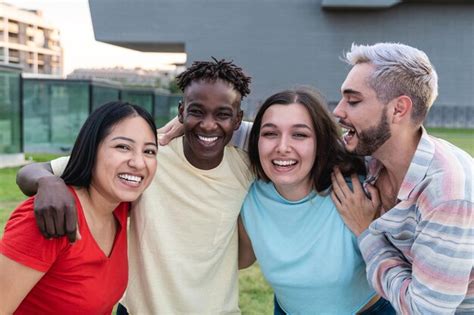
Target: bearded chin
[(372, 139)]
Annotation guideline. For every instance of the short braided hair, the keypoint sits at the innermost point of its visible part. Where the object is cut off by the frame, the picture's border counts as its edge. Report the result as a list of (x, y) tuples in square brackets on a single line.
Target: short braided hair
[(216, 69)]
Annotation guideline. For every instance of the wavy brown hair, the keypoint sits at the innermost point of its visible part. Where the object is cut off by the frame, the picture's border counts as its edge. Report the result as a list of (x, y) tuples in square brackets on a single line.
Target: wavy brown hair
[(330, 151)]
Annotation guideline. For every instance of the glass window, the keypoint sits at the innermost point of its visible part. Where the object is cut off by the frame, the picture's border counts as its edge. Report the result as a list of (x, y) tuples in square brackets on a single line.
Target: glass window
[(166, 108), (102, 95), (53, 112), (10, 123), (141, 98)]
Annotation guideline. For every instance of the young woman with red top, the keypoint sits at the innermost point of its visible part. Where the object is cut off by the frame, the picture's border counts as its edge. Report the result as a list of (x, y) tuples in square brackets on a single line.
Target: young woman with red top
[(111, 164)]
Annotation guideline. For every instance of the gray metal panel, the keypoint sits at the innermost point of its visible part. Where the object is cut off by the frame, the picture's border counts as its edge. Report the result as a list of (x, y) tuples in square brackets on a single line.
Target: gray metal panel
[(367, 4), (282, 43)]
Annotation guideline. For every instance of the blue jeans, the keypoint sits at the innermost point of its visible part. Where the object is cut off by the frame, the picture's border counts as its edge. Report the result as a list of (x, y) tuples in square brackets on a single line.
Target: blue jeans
[(381, 307), (277, 309), (121, 310)]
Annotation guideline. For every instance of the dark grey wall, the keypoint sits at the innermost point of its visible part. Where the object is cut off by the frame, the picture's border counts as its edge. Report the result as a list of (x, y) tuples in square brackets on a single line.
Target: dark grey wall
[(282, 43)]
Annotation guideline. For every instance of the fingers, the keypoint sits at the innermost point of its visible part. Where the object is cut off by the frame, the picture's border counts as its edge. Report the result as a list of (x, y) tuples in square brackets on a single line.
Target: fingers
[(71, 222), (375, 195), (341, 183), (336, 189), (171, 130), (49, 223), (58, 217), (356, 185), (41, 225), (336, 201), (164, 139), (164, 129)]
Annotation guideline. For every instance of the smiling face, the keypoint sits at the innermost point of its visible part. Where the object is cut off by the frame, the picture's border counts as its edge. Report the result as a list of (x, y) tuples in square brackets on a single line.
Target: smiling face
[(125, 162), (287, 149), (210, 114), (361, 113)]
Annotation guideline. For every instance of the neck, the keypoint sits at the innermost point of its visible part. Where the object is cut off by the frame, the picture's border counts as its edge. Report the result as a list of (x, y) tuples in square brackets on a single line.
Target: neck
[(397, 153), (200, 163), (292, 193), (95, 204)]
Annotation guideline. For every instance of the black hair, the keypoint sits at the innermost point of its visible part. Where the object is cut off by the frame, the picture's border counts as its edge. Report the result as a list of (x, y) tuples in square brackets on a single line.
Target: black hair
[(330, 150), (98, 125), (216, 69)]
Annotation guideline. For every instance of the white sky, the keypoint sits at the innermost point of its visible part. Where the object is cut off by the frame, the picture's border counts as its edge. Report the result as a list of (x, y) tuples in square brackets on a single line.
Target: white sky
[(81, 50)]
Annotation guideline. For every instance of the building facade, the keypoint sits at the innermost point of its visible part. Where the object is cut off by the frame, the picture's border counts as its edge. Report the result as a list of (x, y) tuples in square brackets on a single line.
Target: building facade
[(27, 40), (283, 43), (131, 77)]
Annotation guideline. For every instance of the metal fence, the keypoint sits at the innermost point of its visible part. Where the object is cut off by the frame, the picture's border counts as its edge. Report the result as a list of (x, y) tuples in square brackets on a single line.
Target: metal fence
[(54, 110), (45, 115)]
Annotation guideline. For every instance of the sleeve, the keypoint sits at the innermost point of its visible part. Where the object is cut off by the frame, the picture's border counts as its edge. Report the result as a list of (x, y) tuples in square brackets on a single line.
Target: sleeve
[(23, 243), (59, 165), (437, 279), (241, 136)]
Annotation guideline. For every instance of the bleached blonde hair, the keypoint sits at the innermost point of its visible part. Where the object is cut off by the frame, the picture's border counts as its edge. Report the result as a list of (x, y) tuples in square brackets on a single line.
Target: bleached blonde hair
[(399, 70)]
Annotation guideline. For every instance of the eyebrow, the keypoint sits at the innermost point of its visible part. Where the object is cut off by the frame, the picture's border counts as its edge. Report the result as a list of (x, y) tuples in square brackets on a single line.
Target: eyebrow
[(351, 91), (228, 106), (133, 141), (271, 125)]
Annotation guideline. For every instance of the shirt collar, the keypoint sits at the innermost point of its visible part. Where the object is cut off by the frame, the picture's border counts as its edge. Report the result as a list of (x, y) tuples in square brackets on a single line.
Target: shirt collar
[(416, 171), (418, 166)]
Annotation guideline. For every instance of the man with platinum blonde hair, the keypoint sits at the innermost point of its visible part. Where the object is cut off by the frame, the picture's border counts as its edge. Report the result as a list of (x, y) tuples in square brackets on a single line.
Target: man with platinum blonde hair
[(413, 215)]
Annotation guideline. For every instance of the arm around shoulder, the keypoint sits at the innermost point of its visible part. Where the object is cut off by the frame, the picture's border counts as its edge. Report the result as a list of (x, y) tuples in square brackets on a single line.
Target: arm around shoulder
[(246, 254), (55, 208), (28, 177)]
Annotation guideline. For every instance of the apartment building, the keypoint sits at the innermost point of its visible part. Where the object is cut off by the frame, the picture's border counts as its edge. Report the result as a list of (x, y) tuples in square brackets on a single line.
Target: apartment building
[(27, 40)]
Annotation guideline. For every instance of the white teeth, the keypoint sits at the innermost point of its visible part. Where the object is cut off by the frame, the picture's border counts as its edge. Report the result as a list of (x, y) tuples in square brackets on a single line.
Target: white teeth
[(346, 131), (131, 178), (284, 162), (207, 139)]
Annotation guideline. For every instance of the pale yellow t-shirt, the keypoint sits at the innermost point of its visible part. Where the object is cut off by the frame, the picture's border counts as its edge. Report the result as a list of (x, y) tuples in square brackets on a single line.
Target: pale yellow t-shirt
[(183, 236)]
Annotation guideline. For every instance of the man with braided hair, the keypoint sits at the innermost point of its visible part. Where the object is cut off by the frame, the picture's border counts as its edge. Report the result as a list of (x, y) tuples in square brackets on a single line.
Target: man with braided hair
[(183, 230)]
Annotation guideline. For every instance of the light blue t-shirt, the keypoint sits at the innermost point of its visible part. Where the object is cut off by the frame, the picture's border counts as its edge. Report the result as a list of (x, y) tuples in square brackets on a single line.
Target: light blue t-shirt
[(306, 253)]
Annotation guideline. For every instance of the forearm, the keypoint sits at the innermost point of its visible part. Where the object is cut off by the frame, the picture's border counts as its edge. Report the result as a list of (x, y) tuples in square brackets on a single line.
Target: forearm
[(387, 269), (29, 176), (246, 254), (436, 277)]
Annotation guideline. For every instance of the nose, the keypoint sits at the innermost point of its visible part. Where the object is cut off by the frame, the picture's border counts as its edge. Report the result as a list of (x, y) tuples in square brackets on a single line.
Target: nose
[(137, 161), (284, 145), (339, 110), (208, 123)]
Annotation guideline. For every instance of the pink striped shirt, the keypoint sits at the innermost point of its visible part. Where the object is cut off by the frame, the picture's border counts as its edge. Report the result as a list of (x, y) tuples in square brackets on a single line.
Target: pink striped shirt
[(420, 254)]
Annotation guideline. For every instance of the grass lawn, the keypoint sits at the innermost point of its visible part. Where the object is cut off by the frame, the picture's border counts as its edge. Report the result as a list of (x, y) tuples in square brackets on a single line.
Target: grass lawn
[(256, 296), (463, 138), (10, 195)]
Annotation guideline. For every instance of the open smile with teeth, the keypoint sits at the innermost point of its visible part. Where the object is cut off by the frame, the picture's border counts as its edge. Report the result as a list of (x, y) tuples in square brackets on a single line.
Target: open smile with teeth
[(131, 178), (284, 163), (207, 139), (347, 132)]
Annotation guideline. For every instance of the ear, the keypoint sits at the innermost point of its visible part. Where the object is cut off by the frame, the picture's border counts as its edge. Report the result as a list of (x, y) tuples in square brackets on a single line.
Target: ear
[(238, 119), (402, 109), (180, 111)]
